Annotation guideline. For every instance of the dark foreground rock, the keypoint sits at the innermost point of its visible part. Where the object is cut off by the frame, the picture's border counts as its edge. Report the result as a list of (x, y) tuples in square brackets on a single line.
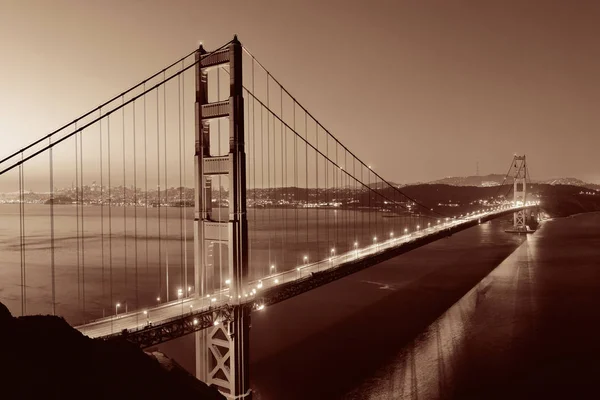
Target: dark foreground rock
[(43, 357)]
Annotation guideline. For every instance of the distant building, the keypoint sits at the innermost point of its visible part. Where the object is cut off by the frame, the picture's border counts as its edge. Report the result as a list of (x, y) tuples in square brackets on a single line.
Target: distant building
[(489, 183)]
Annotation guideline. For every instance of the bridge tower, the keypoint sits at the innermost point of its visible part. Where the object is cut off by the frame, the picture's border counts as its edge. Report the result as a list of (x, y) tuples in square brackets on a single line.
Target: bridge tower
[(520, 192), (221, 351)]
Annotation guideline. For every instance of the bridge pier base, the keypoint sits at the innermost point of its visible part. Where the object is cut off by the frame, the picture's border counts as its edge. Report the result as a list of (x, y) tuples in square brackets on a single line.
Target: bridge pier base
[(222, 354)]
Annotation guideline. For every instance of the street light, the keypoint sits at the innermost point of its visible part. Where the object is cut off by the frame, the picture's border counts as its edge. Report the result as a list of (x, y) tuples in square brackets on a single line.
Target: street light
[(180, 296), (117, 308), (158, 300), (332, 255), (356, 248)]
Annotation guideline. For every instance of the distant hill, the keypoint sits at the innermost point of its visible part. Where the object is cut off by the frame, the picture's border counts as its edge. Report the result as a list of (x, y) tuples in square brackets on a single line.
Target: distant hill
[(476, 180), (572, 182), (497, 179), (452, 200)]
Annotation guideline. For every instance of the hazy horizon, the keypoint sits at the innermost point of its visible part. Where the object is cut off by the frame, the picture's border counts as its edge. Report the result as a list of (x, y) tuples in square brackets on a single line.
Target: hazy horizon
[(437, 88)]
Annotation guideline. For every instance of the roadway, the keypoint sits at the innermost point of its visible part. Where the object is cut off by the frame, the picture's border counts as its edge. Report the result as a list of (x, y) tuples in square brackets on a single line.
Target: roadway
[(136, 320)]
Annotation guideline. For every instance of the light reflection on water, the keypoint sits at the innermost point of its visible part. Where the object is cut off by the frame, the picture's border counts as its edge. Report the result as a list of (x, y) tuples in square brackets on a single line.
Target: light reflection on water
[(425, 368), (509, 329), (354, 333)]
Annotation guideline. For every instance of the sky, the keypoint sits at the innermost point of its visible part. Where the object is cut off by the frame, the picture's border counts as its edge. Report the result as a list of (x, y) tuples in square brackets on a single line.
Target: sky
[(418, 89)]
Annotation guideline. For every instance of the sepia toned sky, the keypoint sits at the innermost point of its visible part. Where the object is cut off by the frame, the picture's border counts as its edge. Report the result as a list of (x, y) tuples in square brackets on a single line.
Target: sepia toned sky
[(418, 89)]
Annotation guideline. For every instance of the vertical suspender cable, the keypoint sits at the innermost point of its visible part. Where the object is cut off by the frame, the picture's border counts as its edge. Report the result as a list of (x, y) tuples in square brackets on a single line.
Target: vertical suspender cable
[(158, 198), (22, 237), (327, 190), (166, 182), (254, 156), (295, 171), (110, 260), (370, 195), (317, 204), (254, 152), (52, 258), (306, 172), (249, 163), (146, 184), (262, 159), (336, 182), (77, 218), (102, 216), (185, 258), (346, 208), (124, 198), (82, 220), (273, 117), (355, 192), (183, 276), (283, 132), (269, 192), (219, 188), (135, 224), (376, 199)]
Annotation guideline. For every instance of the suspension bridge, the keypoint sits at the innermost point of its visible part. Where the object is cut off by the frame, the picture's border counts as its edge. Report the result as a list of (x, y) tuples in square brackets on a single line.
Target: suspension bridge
[(202, 194)]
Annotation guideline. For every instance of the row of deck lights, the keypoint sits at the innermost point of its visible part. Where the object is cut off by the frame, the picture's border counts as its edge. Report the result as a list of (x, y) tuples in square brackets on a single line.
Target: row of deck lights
[(276, 280), (272, 268), (260, 284), (305, 259)]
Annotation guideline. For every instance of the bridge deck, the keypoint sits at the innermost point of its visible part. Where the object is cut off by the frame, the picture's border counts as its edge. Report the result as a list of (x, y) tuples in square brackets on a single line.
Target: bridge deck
[(179, 317)]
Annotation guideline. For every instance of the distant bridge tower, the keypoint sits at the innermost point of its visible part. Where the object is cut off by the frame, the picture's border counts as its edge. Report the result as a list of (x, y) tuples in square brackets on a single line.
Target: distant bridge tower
[(221, 351), (520, 192)]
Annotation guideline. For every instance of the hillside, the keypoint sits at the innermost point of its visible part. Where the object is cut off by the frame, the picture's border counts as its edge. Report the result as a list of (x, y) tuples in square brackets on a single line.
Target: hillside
[(45, 358), (486, 180), (556, 200), (497, 179)]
